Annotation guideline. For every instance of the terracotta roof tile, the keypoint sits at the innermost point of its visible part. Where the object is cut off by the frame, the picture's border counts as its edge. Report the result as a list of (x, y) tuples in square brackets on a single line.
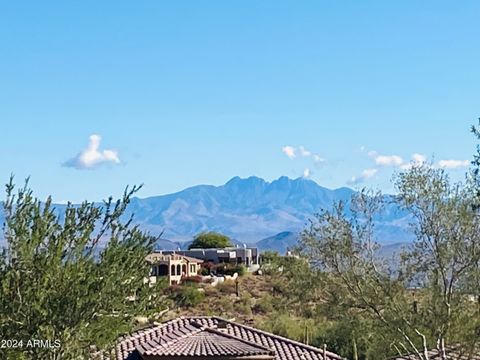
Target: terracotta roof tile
[(203, 342), (212, 336)]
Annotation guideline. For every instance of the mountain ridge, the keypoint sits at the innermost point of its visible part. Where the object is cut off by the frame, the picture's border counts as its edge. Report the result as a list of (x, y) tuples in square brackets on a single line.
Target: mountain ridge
[(249, 210)]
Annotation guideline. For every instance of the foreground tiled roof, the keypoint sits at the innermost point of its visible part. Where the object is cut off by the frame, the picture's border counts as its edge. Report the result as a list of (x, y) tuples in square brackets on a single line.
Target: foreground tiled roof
[(212, 337), (200, 341), (455, 352)]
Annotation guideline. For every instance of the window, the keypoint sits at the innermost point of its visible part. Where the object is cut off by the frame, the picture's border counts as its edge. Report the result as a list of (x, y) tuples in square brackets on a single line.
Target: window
[(172, 270), (162, 270), (179, 269), (184, 269)]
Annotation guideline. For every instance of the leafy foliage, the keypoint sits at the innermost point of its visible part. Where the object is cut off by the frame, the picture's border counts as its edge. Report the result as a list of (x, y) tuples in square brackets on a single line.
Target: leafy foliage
[(230, 269), (78, 279), (360, 286), (207, 240)]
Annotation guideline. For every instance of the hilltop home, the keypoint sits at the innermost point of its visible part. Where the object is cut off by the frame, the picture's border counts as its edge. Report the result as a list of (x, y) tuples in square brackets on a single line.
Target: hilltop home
[(205, 338), (247, 256), (173, 266)]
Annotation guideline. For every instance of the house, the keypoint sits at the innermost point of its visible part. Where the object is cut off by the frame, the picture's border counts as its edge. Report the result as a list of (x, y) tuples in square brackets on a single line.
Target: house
[(247, 256), (202, 338), (173, 266)]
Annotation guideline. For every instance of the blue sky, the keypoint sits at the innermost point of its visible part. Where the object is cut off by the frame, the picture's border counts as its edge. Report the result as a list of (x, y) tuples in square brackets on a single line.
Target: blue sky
[(190, 92)]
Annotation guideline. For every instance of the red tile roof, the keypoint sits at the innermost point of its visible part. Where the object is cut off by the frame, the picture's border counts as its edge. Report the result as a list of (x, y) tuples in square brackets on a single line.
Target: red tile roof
[(212, 337), (202, 342)]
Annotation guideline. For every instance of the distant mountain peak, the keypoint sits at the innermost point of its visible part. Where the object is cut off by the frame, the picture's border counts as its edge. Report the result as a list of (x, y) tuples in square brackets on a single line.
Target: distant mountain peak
[(250, 209), (233, 180), (283, 179), (251, 179)]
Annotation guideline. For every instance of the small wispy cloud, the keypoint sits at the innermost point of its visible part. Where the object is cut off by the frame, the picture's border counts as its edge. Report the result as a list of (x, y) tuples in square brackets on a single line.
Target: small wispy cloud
[(289, 151), (292, 152), (92, 156), (365, 175), (307, 173), (453, 164)]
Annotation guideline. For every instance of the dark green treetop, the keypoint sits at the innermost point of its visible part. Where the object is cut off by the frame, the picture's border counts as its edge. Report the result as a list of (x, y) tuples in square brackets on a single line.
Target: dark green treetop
[(211, 239)]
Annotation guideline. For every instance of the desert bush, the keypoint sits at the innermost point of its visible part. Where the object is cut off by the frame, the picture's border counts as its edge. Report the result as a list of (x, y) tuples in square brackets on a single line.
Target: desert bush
[(227, 287), (285, 325), (196, 279), (240, 270), (264, 305), (207, 268), (204, 271), (243, 308), (229, 269), (186, 296), (225, 305)]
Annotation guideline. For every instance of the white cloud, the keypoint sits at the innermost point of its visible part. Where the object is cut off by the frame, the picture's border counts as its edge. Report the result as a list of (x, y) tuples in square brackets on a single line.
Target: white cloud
[(417, 160), (93, 156), (306, 173), (453, 164), (388, 160), (366, 174), (289, 151)]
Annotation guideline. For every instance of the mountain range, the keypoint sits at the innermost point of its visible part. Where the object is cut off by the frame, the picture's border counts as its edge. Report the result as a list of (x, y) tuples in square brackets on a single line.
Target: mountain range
[(252, 210)]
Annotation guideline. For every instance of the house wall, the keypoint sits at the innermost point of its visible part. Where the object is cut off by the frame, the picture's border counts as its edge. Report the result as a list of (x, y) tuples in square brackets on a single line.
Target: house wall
[(175, 268), (247, 256)]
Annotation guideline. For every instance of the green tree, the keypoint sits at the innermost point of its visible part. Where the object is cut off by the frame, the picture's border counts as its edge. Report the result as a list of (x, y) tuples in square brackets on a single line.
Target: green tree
[(211, 239), (445, 253), (441, 259), (78, 278)]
